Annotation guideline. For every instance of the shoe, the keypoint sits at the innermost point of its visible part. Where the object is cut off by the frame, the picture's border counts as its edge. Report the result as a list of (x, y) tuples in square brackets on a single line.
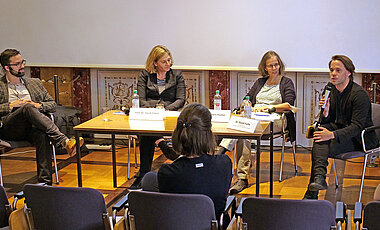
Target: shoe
[(239, 186), (318, 184), (309, 195), (136, 184), (71, 146), (167, 151), (4, 144)]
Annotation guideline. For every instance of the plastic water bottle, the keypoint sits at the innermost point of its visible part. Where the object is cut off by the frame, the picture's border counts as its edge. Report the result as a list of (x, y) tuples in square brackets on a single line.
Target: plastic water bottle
[(217, 101), (135, 100), (247, 107)]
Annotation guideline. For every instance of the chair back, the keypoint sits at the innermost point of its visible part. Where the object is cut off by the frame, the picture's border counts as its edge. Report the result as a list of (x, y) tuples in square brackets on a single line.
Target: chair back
[(270, 213), (376, 117), (4, 205), (153, 210), (65, 208), (371, 215)]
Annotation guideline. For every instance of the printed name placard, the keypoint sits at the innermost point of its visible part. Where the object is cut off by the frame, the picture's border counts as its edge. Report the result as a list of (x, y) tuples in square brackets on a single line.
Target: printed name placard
[(243, 124), (150, 114), (220, 115)]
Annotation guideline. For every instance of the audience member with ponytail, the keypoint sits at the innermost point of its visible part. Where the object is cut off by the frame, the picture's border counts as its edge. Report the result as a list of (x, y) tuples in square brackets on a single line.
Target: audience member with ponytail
[(197, 170)]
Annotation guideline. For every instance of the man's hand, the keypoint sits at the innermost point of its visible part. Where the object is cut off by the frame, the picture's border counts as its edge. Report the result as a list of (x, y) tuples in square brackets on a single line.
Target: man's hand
[(17, 103), (327, 107), (323, 134), (22, 102), (35, 104)]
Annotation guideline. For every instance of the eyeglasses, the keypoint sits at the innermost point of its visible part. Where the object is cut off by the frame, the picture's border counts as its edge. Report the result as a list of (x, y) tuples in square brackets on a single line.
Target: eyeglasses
[(19, 64), (273, 66)]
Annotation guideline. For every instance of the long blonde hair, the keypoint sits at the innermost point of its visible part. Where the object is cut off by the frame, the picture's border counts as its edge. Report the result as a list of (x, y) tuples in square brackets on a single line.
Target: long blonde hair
[(156, 53)]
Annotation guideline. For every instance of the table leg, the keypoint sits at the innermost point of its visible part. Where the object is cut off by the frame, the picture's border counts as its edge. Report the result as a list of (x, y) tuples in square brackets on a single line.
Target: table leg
[(258, 153), (114, 161), (79, 163), (271, 161), (129, 155)]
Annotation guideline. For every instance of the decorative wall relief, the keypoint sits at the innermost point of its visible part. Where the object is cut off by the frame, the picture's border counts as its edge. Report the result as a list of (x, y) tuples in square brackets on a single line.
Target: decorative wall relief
[(313, 86), (81, 85), (220, 80), (115, 88), (192, 87), (245, 82), (368, 80)]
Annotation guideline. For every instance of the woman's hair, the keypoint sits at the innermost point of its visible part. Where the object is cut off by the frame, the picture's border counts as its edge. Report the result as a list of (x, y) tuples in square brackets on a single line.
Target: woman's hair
[(263, 63), (193, 135), (156, 53)]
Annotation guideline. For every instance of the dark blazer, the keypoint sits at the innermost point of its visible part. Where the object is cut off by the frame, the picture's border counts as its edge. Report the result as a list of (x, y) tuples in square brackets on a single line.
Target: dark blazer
[(349, 113), (173, 97), (37, 93), (288, 94)]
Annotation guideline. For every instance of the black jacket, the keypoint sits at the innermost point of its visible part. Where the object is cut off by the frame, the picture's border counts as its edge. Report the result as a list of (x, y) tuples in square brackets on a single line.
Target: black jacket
[(173, 97), (349, 113)]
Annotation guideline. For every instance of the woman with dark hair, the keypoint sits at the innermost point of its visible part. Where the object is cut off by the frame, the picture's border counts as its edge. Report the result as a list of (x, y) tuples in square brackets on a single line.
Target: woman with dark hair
[(158, 84), (197, 170)]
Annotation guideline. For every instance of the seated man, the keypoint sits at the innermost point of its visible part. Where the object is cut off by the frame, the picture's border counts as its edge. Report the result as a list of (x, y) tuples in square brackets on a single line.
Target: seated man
[(346, 114), (22, 104)]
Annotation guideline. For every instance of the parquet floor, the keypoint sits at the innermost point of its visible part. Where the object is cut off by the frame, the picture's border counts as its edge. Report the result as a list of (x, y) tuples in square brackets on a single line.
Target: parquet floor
[(97, 173)]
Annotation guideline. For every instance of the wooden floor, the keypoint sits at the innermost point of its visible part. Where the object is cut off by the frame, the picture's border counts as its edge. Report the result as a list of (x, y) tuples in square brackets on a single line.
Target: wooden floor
[(97, 173)]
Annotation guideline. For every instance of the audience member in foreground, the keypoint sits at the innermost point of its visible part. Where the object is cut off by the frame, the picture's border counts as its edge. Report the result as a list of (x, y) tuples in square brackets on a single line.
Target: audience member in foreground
[(197, 170)]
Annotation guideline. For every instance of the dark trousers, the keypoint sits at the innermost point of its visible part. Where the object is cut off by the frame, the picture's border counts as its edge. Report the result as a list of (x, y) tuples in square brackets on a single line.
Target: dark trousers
[(323, 150), (28, 123), (147, 146)]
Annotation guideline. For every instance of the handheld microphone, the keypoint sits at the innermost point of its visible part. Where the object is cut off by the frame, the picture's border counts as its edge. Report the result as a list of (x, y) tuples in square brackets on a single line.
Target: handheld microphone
[(328, 88)]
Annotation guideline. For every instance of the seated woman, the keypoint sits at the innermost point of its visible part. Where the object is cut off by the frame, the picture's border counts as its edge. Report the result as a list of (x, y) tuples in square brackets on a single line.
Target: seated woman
[(275, 90), (197, 170), (158, 84)]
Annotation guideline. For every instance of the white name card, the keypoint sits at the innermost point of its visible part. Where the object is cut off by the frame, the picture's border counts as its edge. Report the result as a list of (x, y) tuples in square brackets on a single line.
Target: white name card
[(150, 114), (220, 115), (243, 124)]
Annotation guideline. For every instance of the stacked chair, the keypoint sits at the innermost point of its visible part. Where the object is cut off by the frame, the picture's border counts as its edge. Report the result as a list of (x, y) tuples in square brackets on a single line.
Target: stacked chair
[(270, 213), (154, 210)]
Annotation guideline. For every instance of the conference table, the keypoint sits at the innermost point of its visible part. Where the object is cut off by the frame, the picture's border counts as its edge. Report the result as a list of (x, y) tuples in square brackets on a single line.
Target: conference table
[(120, 123)]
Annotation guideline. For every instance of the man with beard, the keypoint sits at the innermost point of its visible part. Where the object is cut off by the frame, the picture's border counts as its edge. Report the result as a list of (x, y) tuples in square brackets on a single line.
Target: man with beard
[(23, 102)]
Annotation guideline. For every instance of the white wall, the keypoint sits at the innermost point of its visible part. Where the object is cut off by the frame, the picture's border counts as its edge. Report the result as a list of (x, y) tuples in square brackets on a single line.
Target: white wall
[(201, 34)]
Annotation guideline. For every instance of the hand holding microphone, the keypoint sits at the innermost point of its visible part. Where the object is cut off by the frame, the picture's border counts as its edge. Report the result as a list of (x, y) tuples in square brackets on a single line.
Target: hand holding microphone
[(325, 101)]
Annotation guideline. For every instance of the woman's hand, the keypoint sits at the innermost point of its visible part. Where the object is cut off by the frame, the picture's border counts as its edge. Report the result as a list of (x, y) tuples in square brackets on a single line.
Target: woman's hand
[(323, 134)]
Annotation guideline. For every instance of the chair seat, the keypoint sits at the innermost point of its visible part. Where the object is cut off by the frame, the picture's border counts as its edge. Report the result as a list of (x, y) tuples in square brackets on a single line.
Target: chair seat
[(349, 155)]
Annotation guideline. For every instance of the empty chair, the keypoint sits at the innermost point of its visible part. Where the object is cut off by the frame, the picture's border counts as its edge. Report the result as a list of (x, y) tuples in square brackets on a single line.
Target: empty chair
[(65, 208), (365, 152), (170, 211), (270, 213)]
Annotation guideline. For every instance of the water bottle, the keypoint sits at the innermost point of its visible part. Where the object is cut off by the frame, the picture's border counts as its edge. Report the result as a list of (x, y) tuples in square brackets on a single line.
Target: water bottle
[(247, 107), (135, 100), (217, 101)]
